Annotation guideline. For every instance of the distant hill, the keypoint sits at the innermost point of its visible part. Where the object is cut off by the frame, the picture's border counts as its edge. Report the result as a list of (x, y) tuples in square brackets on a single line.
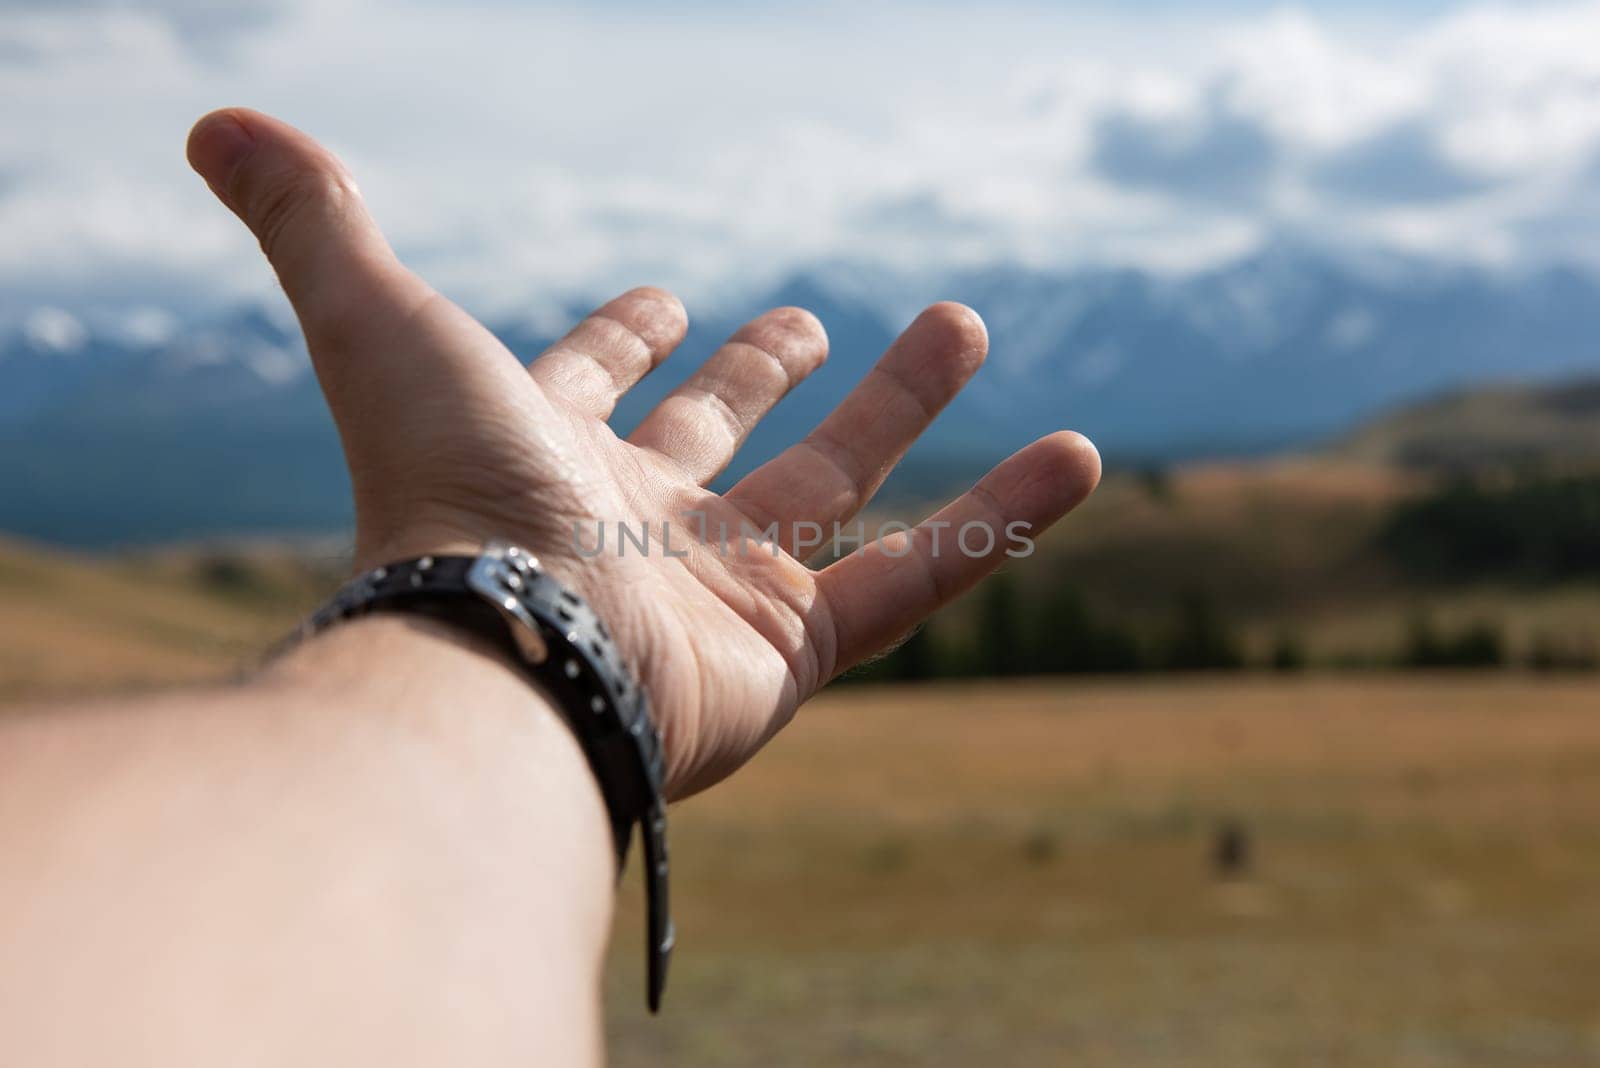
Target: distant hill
[(76, 624), (151, 427), (1549, 428), (1276, 556)]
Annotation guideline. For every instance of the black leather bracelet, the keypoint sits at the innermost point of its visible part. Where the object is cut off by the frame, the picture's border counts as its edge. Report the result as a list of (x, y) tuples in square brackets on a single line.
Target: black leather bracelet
[(555, 637)]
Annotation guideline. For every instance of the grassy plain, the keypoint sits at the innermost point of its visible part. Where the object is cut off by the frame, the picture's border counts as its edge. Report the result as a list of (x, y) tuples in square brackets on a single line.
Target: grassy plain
[(1023, 874)]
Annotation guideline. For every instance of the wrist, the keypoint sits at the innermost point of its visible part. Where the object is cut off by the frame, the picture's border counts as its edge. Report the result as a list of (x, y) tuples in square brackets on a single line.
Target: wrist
[(551, 635), (420, 682), (443, 537)]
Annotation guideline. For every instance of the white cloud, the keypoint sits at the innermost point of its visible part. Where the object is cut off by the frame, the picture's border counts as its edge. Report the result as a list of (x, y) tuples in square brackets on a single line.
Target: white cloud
[(55, 330), (512, 150)]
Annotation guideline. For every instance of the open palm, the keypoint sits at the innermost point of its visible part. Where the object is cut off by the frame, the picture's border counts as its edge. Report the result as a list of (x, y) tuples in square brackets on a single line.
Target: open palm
[(452, 442)]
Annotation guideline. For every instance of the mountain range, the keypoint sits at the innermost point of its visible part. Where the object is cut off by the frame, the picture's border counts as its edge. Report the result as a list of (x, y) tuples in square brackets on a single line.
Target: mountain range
[(155, 426)]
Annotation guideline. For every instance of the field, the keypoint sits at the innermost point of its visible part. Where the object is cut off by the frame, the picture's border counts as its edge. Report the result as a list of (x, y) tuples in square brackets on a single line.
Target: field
[(76, 624), (1026, 875), (1027, 872)]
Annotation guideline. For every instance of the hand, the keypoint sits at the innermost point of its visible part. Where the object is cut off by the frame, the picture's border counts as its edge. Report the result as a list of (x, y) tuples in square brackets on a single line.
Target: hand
[(451, 442)]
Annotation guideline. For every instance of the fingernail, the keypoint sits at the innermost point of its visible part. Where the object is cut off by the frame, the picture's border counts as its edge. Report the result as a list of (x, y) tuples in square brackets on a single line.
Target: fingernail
[(217, 146)]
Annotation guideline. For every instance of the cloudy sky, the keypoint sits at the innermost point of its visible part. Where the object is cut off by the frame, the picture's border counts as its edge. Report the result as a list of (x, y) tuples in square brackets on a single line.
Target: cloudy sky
[(513, 150)]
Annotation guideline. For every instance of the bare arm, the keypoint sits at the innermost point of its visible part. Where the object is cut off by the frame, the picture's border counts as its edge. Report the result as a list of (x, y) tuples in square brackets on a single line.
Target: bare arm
[(386, 850)]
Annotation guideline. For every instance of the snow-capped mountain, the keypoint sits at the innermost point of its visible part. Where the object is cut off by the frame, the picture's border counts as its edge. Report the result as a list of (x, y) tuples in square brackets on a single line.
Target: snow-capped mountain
[(142, 426)]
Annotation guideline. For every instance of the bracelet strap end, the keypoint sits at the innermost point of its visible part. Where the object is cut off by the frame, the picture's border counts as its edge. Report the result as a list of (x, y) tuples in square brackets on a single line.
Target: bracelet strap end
[(660, 934)]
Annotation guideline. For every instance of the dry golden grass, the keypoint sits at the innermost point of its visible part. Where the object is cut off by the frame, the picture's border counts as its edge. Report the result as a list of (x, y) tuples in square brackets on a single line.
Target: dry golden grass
[(74, 624), (1021, 875)]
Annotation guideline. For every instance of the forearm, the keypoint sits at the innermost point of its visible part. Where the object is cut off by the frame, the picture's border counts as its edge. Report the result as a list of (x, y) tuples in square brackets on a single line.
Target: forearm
[(385, 849)]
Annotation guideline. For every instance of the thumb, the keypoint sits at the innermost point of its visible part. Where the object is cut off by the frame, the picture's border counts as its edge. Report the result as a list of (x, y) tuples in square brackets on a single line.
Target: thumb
[(305, 210)]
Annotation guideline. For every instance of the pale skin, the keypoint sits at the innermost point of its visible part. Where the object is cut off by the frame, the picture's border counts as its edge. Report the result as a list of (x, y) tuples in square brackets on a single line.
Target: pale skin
[(386, 847)]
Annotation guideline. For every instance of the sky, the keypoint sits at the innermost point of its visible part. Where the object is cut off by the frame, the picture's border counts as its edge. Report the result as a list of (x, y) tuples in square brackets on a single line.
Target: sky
[(521, 153)]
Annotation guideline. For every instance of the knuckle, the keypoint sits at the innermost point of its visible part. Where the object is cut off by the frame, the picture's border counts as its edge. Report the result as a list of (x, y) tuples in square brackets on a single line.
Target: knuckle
[(288, 202)]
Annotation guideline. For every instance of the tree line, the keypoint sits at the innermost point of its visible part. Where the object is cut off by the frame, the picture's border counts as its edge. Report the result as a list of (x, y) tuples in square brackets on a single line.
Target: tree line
[(1539, 532)]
